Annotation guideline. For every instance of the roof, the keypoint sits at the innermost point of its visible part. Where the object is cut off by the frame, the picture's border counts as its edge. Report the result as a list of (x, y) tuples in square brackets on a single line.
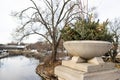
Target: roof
[(12, 47)]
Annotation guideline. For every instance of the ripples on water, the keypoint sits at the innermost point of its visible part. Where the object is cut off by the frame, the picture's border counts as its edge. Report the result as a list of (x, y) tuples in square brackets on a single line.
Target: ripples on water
[(18, 68)]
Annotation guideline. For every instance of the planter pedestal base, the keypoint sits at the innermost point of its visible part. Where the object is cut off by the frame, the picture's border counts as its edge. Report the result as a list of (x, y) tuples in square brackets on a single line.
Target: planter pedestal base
[(94, 69)]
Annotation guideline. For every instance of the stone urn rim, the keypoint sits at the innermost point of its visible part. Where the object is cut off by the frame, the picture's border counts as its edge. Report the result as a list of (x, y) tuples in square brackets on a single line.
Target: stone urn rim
[(87, 41), (87, 49)]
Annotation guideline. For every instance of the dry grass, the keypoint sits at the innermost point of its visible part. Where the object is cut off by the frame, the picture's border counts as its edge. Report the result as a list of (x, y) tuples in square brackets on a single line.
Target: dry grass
[(46, 69), (15, 52), (26, 53)]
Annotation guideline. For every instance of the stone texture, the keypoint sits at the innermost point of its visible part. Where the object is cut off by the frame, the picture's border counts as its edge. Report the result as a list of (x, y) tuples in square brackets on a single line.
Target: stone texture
[(60, 78), (87, 67), (94, 69), (87, 49), (96, 60), (67, 73), (77, 59)]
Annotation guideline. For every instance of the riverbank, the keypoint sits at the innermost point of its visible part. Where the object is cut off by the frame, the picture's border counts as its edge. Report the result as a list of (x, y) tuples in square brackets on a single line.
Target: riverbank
[(47, 70), (26, 53)]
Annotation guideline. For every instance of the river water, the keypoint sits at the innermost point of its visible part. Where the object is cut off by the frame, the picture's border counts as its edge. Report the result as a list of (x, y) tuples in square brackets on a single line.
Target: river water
[(18, 68)]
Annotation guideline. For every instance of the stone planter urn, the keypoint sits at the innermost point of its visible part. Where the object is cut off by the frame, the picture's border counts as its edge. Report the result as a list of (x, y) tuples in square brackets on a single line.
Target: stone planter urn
[(86, 63), (87, 49)]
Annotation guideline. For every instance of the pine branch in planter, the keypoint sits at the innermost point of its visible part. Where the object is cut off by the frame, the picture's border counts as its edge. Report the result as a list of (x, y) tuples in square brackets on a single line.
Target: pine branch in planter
[(87, 30)]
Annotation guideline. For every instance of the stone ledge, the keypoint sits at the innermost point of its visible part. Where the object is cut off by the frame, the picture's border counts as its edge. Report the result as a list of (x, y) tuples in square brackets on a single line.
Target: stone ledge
[(71, 74), (88, 67)]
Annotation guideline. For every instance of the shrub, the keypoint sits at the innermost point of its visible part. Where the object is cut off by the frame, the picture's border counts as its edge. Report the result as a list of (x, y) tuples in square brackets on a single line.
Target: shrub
[(87, 30)]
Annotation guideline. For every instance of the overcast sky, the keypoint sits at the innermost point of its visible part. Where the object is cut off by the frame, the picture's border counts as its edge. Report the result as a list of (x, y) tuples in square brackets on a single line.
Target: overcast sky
[(106, 9)]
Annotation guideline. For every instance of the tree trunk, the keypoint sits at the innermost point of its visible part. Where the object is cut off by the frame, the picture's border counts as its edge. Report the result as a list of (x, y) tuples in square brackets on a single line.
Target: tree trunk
[(54, 53)]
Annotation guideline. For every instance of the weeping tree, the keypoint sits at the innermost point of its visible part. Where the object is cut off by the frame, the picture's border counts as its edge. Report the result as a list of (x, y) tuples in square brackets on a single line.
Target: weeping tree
[(115, 30), (46, 20)]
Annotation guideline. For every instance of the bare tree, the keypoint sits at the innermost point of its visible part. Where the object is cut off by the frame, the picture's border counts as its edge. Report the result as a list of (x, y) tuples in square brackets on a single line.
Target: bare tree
[(47, 19), (115, 30)]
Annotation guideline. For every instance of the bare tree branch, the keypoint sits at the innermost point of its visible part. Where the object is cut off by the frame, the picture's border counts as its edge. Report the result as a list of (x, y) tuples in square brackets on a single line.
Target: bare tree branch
[(67, 13), (39, 13), (26, 10), (25, 35), (44, 22), (54, 18), (47, 4), (61, 12), (43, 36)]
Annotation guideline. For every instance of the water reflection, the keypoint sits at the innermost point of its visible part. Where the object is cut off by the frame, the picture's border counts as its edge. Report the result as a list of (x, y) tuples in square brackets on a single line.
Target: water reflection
[(18, 68)]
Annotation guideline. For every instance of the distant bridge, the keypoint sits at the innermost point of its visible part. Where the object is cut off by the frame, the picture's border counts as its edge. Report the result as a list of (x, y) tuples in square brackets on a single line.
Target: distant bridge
[(12, 47)]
